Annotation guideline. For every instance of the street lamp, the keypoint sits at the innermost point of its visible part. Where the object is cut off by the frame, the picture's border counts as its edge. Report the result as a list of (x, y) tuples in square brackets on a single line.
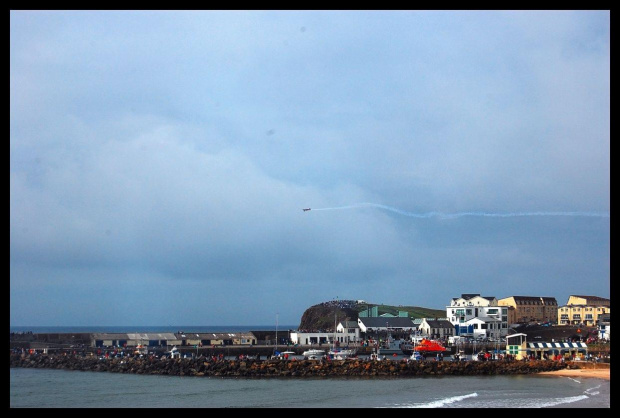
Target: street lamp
[(474, 350)]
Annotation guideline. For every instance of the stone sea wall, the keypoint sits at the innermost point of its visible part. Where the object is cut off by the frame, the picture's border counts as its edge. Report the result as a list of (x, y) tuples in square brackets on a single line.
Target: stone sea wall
[(283, 368)]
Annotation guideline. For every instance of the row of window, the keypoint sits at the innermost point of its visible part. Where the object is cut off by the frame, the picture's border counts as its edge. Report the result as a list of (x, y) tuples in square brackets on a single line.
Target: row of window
[(582, 309), (538, 302), (588, 317)]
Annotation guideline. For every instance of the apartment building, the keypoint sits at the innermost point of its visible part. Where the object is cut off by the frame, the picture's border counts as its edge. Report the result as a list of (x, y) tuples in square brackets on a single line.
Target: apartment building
[(532, 308)]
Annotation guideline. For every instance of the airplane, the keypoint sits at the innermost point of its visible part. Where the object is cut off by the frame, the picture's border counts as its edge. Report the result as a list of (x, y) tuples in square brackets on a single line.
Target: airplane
[(305, 210)]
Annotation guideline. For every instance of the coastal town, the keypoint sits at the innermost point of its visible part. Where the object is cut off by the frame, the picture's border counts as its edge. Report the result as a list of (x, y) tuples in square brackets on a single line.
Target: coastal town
[(475, 328)]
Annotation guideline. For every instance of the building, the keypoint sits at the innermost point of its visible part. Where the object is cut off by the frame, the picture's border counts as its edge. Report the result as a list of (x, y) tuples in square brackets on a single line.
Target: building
[(348, 332), (165, 339), (205, 339), (382, 325), (474, 299), (584, 310), (588, 300), (121, 340), (477, 316), (518, 348), (532, 308), (604, 327), (436, 328), (311, 338), (373, 312), (580, 314)]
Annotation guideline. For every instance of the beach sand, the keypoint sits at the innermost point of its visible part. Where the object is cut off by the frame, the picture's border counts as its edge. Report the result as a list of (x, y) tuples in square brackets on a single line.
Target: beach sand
[(598, 373)]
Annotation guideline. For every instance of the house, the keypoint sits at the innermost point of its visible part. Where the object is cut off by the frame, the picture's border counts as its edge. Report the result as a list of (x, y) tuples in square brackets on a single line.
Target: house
[(348, 332), (436, 328)]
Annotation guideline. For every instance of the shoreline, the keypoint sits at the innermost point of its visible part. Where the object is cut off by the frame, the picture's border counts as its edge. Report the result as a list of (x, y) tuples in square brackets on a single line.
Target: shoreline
[(595, 373)]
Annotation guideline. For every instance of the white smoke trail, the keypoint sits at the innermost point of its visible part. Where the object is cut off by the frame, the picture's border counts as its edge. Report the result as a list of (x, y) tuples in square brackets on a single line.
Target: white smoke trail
[(461, 214)]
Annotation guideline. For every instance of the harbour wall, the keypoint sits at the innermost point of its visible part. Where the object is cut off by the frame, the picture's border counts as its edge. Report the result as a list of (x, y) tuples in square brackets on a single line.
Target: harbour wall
[(283, 368)]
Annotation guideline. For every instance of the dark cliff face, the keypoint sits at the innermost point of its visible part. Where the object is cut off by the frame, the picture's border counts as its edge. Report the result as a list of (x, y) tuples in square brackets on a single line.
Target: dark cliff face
[(324, 316)]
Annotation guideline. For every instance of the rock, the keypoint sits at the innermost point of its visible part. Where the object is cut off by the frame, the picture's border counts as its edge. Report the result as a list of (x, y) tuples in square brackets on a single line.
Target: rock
[(279, 368)]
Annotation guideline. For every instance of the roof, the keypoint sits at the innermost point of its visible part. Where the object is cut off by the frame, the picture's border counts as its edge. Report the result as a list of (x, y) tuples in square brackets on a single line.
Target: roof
[(468, 296), (152, 336), (489, 319), (557, 345), (549, 298), (439, 323), (396, 322), (133, 336), (110, 336), (213, 335), (591, 298)]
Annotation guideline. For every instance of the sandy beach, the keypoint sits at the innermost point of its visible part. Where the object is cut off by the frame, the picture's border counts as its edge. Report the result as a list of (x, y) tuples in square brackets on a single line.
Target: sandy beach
[(598, 373)]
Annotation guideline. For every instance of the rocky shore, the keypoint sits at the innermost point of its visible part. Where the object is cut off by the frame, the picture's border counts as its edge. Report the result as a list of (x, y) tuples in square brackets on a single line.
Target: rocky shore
[(283, 368)]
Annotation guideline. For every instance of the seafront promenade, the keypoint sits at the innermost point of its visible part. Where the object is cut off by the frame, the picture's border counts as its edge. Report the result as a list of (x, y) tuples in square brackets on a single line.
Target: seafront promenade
[(219, 367)]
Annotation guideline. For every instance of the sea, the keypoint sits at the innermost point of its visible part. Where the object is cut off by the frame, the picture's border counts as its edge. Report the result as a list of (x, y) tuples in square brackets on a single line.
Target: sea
[(150, 328), (48, 388)]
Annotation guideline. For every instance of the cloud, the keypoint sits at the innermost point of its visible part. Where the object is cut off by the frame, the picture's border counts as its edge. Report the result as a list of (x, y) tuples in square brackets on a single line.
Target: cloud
[(173, 151)]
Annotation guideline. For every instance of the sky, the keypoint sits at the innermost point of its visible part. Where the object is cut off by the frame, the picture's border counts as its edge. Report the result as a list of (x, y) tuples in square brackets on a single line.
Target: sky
[(160, 161)]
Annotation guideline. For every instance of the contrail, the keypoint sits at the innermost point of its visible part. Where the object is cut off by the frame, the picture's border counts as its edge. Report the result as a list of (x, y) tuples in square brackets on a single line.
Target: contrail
[(462, 214)]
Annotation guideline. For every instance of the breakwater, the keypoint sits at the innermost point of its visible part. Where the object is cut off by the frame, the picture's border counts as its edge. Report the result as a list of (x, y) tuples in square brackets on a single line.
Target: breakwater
[(283, 368)]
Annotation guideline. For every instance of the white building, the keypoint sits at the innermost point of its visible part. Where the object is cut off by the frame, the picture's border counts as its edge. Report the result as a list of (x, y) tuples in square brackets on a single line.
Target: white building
[(604, 332), (347, 332), (604, 328), (476, 316)]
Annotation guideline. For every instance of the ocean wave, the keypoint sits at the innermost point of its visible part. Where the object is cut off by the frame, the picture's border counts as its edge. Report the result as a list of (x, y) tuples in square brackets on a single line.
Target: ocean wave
[(559, 401), (438, 403)]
